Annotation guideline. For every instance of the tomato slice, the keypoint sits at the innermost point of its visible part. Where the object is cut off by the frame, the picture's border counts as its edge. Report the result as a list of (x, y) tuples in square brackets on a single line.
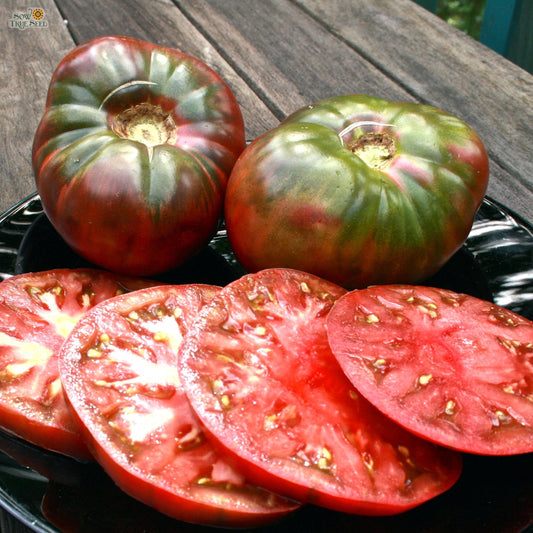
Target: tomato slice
[(37, 312), (119, 368), (452, 368), (259, 372)]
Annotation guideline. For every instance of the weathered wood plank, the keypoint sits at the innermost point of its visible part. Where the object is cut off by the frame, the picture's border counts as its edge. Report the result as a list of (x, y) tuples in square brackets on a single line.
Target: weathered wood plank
[(445, 68), (401, 53), (308, 64), (29, 56), (162, 23)]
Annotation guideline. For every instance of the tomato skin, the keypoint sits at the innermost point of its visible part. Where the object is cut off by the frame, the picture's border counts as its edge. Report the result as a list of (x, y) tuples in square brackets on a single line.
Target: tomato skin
[(135, 197), (119, 370), (259, 373), (301, 197), (37, 312), (449, 367)]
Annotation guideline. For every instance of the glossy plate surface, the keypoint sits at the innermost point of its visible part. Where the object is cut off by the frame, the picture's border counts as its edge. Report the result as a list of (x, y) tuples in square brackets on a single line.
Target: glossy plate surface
[(51, 493)]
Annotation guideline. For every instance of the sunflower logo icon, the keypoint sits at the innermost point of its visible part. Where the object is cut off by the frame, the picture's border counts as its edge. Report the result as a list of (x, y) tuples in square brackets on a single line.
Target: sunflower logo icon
[(37, 14)]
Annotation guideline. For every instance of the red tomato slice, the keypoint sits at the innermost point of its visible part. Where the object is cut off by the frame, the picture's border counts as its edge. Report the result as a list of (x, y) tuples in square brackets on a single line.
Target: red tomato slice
[(119, 368), (259, 372), (37, 312), (449, 367)]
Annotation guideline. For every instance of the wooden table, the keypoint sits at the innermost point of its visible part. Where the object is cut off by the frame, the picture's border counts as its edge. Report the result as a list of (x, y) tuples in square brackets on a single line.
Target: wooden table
[(279, 55)]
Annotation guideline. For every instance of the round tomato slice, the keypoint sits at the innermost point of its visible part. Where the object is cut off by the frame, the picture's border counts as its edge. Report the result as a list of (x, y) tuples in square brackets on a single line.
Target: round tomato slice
[(37, 312), (259, 372), (452, 368), (119, 368)]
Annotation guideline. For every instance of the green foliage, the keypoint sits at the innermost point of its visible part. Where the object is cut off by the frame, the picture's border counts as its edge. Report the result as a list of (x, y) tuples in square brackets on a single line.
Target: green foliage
[(465, 15)]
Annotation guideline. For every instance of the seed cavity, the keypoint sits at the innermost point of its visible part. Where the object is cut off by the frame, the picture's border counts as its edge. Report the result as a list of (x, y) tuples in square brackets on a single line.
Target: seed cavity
[(514, 346), (286, 416), (189, 437), (502, 317), (429, 309), (324, 459), (451, 301), (258, 300), (310, 456), (500, 418)]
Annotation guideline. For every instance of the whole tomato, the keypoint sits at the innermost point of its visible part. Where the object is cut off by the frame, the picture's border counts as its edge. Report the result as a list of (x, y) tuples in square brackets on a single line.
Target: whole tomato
[(132, 155), (357, 190)]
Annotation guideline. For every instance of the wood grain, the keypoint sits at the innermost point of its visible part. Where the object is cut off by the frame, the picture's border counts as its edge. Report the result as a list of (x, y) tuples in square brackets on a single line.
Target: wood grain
[(307, 64), (279, 55), (441, 66), (28, 58)]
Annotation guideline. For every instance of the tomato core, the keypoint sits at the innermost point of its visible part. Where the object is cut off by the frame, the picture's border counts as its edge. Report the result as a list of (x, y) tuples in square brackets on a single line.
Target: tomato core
[(147, 124), (375, 149)]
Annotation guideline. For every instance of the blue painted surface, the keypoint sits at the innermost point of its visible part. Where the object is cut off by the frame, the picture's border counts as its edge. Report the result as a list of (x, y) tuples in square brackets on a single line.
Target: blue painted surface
[(430, 5), (506, 28), (498, 20)]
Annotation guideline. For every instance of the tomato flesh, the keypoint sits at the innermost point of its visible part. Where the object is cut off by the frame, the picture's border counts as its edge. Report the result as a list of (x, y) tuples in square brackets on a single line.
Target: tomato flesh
[(452, 368), (119, 368), (258, 371), (37, 312)]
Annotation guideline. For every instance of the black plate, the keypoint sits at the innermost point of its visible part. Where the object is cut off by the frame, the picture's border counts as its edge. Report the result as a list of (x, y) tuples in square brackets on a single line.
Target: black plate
[(51, 493)]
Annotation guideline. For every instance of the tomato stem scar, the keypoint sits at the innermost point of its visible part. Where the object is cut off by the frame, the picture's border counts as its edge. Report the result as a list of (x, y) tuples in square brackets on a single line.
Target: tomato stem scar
[(147, 124), (375, 148)]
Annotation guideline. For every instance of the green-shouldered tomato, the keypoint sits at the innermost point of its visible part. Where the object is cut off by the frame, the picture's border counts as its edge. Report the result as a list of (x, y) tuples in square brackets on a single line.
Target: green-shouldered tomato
[(357, 190)]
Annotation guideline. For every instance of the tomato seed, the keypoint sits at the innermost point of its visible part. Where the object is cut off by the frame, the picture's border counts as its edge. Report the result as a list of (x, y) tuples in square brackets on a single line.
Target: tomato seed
[(270, 422), (160, 336), (93, 353), (380, 364), (54, 389), (305, 287), (450, 408), (225, 401), (372, 319), (261, 331), (424, 379)]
